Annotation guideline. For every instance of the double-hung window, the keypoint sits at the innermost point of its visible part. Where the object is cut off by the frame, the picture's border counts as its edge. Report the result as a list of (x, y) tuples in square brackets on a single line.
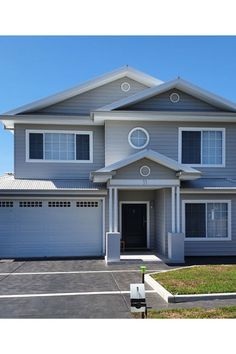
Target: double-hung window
[(59, 146), (207, 220), (202, 146)]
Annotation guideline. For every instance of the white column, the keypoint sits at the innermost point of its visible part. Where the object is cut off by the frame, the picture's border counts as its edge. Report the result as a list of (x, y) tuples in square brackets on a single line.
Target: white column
[(178, 209), (173, 209), (115, 210), (110, 209)]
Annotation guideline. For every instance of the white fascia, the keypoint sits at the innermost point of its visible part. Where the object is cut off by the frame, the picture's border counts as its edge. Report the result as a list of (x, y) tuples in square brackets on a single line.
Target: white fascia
[(154, 116), (180, 84), (87, 86)]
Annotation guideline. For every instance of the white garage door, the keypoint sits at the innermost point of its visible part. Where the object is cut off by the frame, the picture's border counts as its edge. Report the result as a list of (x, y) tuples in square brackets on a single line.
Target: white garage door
[(44, 228)]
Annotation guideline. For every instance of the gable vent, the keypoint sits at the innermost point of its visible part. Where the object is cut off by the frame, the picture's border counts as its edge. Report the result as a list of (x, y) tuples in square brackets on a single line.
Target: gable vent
[(174, 97), (125, 86)]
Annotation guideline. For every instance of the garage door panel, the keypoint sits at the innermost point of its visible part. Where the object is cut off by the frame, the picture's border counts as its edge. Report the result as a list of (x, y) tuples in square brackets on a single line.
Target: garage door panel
[(51, 231)]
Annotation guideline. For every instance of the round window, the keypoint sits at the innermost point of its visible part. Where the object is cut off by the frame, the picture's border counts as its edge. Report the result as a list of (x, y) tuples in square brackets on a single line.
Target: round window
[(174, 97), (125, 86), (138, 138), (145, 171)]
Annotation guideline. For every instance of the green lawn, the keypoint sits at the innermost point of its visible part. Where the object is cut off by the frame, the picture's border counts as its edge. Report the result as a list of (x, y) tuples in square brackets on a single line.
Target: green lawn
[(222, 312), (199, 280)]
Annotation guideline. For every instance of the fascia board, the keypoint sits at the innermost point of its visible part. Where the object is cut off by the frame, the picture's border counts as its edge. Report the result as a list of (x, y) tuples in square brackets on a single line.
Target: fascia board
[(181, 84), (88, 85)]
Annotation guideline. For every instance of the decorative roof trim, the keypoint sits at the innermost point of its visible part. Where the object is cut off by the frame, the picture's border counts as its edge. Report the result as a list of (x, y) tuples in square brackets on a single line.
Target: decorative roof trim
[(152, 155), (180, 84), (87, 86)]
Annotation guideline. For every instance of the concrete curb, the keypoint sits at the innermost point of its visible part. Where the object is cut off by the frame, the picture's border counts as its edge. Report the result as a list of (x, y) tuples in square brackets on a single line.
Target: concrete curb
[(170, 298), (166, 295)]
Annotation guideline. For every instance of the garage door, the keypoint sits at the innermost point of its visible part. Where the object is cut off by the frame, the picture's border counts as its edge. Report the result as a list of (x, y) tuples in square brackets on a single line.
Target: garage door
[(44, 228)]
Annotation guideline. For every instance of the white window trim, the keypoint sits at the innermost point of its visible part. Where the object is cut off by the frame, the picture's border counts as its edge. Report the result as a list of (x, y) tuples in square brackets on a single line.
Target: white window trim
[(138, 147), (208, 239), (83, 132), (201, 129)]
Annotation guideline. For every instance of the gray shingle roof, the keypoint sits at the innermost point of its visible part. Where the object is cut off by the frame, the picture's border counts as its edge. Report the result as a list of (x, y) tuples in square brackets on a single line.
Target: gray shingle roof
[(205, 183), (8, 182)]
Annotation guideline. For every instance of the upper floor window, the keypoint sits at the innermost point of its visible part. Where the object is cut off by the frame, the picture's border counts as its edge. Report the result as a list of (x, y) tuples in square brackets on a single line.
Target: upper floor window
[(59, 146), (202, 146), (138, 138)]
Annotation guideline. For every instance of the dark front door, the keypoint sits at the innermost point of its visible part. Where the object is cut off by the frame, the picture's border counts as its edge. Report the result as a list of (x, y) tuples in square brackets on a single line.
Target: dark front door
[(134, 225)]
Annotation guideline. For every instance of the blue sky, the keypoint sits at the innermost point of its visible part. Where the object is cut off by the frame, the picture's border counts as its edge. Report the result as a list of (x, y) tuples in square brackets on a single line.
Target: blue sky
[(34, 67)]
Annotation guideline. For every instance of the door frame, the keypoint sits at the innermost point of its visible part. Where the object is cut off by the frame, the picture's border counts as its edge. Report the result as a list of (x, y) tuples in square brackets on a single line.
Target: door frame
[(147, 202)]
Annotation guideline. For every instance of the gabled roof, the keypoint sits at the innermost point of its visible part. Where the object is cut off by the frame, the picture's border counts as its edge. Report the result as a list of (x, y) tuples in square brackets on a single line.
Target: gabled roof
[(152, 155), (178, 83), (87, 86)]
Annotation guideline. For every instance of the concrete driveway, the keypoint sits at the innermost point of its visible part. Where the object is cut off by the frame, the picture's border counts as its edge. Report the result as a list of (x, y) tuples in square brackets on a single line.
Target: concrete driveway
[(71, 288)]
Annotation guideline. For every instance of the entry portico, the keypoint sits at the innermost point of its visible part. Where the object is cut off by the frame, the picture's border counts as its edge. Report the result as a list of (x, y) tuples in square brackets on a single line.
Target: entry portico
[(142, 179)]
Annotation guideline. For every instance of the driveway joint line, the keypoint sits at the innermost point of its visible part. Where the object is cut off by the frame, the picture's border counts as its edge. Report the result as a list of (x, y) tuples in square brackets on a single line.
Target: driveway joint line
[(75, 272), (112, 292)]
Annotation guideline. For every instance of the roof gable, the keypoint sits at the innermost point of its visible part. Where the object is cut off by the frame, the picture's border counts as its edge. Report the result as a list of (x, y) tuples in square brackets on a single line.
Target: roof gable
[(153, 156), (126, 71), (162, 102), (88, 101), (157, 170), (179, 84)]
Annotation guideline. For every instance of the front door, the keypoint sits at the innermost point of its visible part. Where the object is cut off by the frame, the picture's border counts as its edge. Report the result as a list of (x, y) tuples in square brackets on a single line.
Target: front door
[(134, 225)]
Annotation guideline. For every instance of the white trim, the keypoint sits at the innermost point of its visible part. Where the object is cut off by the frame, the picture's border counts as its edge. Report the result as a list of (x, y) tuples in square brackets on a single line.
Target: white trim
[(174, 100), (153, 156), (168, 116), (141, 173), (144, 182), (116, 210), (201, 129), (180, 84), (148, 216), (58, 131), (177, 209), (173, 209), (147, 136), (125, 86), (87, 86), (206, 201), (103, 225), (110, 209)]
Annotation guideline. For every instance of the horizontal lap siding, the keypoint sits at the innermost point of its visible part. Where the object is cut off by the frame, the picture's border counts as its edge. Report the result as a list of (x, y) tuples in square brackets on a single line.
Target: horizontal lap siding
[(93, 99), (48, 170), (213, 248), (164, 139), (132, 171), (163, 103)]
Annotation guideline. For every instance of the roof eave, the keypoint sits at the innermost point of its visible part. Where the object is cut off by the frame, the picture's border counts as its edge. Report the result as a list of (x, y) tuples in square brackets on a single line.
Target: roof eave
[(84, 87)]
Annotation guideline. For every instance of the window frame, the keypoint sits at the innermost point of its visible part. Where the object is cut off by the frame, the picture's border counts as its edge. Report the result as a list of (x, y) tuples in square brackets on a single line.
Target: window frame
[(145, 132), (182, 129), (206, 201), (74, 132)]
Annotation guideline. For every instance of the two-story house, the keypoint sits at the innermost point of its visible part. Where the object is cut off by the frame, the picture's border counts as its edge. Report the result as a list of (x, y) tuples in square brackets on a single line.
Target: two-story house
[(125, 154)]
